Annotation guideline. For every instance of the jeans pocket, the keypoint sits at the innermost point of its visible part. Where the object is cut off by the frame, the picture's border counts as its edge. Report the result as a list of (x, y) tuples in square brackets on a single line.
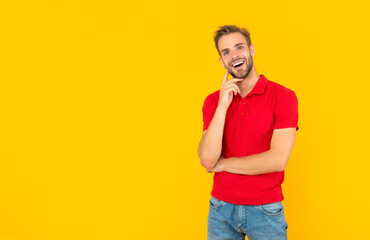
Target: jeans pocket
[(215, 203), (272, 209)]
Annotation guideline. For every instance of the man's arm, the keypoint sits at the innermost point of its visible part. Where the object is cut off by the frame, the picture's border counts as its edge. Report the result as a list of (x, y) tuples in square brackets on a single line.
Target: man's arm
[(209, 149), (273, 160)]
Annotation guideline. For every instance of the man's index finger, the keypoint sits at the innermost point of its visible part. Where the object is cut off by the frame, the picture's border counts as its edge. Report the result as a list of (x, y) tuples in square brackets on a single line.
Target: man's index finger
[(225, 77)]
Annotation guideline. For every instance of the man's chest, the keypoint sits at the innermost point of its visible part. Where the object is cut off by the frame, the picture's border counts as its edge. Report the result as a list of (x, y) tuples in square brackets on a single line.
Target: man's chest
[(249, 119)]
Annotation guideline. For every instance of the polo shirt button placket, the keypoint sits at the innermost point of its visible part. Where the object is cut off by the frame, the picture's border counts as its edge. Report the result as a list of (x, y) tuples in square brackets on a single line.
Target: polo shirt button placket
[(243, 109)]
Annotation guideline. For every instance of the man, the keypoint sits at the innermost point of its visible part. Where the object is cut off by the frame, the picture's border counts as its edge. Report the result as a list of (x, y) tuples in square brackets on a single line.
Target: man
[(248, 134)]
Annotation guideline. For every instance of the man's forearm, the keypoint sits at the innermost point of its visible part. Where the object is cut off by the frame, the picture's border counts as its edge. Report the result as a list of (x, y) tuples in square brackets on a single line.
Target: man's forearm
[(210, 146), (273, 160), (260, 163)]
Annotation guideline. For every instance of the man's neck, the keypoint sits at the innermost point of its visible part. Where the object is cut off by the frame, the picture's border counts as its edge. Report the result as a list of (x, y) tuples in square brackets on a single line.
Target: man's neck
[(249, 82)]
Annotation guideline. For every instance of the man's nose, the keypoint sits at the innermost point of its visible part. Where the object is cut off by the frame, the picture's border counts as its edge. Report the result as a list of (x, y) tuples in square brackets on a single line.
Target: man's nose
[(234, 55)]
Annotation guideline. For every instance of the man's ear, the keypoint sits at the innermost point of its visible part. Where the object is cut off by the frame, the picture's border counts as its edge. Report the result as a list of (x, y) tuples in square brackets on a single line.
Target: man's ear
[(253, 52), (222, 62)]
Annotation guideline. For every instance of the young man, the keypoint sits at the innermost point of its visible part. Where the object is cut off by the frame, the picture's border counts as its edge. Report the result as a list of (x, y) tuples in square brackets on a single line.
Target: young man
[(248, 134)]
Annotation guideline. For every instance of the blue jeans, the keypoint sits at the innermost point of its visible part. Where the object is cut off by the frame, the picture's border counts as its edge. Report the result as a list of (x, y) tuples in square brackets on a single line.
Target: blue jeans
[(229, 221)]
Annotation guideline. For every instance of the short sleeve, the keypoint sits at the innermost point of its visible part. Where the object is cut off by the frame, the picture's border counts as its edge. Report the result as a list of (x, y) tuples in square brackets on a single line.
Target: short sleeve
[(286, 111), (209, 108)]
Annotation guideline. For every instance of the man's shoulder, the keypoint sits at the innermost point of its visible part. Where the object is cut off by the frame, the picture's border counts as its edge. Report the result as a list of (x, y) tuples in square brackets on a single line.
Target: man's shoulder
[(213, 96), (277, 88), (211, 101)]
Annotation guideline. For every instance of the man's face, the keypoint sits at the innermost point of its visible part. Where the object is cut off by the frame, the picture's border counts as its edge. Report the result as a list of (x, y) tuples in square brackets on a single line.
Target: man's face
[(236, 56)]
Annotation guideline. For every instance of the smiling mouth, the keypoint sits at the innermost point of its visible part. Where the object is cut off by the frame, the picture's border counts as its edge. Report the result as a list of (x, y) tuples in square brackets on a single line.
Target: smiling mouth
[(238, 64)]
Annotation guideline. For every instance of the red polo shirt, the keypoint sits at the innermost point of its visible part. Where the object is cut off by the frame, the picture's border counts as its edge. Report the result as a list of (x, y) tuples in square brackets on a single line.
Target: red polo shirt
[(249, 124)]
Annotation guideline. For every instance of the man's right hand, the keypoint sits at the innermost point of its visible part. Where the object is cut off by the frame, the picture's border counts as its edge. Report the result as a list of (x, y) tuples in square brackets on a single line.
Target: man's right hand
[(227, 91)]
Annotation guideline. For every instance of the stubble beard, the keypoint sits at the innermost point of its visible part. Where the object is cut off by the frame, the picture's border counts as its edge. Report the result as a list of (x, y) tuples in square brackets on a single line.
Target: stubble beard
[(244, 73)]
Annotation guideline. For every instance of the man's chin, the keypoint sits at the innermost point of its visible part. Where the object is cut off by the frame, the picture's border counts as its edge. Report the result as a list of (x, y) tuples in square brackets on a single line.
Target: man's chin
[(239, 75)]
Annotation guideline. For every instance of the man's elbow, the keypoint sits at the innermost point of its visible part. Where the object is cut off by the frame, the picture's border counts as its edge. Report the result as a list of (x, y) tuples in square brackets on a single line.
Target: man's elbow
[(280, 168), (208, 162), (281, 163), (207, 159)]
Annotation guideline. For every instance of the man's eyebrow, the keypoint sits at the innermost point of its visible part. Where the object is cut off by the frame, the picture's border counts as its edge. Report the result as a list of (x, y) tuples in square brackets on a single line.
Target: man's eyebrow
[(238, 44)]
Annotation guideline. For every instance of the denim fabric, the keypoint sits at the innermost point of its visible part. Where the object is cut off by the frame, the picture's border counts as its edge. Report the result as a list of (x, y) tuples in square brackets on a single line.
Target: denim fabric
[(229, 221)]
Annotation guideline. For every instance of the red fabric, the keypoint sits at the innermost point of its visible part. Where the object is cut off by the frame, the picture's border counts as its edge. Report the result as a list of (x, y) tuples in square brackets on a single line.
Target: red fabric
[(249, 124)]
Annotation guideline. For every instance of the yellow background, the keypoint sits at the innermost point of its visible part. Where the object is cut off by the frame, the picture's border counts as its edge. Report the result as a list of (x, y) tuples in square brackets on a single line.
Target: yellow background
[(100, 115)]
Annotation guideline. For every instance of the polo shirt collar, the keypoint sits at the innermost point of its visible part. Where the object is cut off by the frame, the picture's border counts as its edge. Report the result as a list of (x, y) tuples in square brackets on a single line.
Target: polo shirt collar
[(260, 86)]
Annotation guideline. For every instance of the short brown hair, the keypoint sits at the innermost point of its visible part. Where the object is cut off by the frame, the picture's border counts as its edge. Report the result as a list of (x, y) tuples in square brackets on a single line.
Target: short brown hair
[(227, 29)]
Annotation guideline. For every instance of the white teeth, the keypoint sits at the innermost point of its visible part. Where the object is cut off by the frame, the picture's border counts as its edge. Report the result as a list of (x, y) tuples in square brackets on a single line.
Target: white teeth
[(238, 63)]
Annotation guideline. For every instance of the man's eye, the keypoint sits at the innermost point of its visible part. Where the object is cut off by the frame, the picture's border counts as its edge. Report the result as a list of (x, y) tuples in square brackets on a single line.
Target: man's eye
[(227, 52), (240, 47)]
